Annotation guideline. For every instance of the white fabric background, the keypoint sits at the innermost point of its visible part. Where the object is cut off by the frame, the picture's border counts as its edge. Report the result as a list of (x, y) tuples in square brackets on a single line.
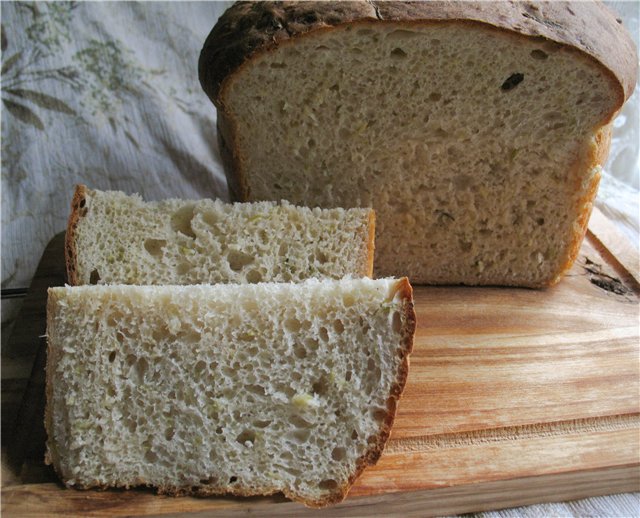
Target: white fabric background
[(107, 94)]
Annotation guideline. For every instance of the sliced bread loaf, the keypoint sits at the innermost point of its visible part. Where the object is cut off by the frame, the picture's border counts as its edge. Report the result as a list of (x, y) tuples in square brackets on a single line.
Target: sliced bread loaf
[(113, 238), (476, 130), (241, 389)]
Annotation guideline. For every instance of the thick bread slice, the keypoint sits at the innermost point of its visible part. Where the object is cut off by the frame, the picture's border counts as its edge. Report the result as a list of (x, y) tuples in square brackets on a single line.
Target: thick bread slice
[(244, 389), (476, 130), (113, 238)]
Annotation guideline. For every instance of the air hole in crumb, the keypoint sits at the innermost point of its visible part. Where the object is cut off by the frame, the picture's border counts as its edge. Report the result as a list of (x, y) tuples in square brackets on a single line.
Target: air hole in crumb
[(512, 81), (238, 260), (347, 376), (338, 326), (299, 351), (199, 368), (210, 218), (398, 53), (219, 430), (94, 278), (154, 246), (338, 453), (371, 365), (324, 334), (348, 300), (379, 415), (328, 484), (321, 257), (299, 422), (83, 202), (112, 356), (248, 336), (141, 368), (539, 54), (311, 344), (183, 268), (233, 479), (321, 387), (292, 325), (169, 433), (396, 322), (150, 456), (435, 96), (301, 435), (255, 389), (254, 277), (181, 221), (354, 435), (540, 221), (247, 436), (261, 424)]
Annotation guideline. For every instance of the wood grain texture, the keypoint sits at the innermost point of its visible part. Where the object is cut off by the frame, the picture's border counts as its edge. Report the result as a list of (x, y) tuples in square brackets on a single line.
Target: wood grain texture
[(49, 499), (514, 397)]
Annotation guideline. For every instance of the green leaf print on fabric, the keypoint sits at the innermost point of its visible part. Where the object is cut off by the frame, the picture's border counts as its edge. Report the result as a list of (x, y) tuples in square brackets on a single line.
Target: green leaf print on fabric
[(43, 100), (98, 78), (48, 30), (23, 113), (50, 26), (9, 62)]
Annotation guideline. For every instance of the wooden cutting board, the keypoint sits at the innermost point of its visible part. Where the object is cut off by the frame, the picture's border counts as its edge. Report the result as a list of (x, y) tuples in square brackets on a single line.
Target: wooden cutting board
[(514, 397)]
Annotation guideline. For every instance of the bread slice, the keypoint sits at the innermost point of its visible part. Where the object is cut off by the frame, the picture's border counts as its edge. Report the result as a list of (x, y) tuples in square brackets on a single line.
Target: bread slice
[(476, 130), (245, 389), (113, 238)]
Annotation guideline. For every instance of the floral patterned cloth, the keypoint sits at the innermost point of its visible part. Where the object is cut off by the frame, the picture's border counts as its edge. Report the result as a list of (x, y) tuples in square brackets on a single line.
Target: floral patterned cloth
[(105, 94)]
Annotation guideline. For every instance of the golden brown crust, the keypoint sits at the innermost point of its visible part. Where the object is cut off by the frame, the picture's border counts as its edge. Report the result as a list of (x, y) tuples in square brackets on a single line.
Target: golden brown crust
[(249, 28), (597, 155), (377, 443), (371, 243), (78, 211)]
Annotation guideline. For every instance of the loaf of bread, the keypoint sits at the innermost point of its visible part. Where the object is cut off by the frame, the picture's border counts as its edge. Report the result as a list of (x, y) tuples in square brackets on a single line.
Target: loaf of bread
[(245, 389), (113, 238), (476, 130)]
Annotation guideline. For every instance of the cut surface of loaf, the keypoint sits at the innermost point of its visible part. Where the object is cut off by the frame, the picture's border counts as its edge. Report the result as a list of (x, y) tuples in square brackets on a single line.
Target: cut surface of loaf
[(245, 389), (476, 130), (114, 238)]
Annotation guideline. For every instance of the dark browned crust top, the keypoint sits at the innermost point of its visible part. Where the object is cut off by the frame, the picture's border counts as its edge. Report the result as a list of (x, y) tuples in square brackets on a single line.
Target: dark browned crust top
[(248, 28)]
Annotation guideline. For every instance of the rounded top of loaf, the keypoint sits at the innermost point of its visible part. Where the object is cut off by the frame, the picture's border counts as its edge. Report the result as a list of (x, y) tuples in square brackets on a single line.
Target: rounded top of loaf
[(248, 28)]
